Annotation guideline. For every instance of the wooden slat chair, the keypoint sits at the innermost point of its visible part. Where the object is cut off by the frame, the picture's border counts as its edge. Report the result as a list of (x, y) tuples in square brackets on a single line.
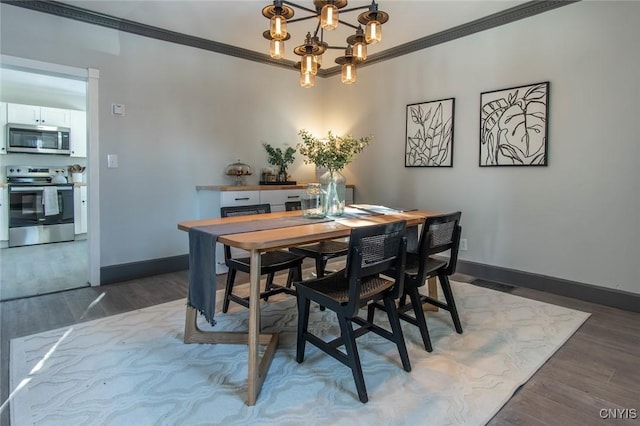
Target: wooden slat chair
[(270, 262), (372, 249)]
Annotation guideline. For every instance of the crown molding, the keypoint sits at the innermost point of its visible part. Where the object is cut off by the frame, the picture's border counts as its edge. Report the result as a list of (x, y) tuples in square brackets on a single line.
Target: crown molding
[(63, 10)]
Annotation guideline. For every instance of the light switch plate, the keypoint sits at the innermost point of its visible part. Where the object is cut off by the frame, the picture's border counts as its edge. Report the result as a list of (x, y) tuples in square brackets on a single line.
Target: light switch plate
[(112, 161), (117, 109)]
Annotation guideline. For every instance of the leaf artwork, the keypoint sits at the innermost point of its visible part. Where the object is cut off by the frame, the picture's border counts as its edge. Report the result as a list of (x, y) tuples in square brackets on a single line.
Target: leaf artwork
[(430, 134), (513, 127)]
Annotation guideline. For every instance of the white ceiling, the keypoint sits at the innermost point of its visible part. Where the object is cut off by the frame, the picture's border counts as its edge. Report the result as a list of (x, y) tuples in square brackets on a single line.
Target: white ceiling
[(240, 23)]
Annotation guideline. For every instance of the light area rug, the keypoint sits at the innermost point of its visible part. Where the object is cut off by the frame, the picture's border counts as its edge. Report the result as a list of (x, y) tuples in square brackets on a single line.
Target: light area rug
[(133, 368)]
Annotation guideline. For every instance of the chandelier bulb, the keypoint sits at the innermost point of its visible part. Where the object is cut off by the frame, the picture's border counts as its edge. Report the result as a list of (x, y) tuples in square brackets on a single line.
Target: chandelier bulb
[(348, 73), (278, 27), (309, 64), (307, 80), (373, 32), (276, 50), (329, 17)]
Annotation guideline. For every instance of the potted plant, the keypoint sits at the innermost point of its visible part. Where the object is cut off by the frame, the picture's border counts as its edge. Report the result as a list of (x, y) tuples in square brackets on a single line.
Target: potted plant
[(281, 159), (332, 153)]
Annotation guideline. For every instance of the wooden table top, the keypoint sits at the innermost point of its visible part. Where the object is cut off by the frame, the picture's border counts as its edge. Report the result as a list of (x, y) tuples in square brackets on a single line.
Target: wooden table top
[(271, 239)]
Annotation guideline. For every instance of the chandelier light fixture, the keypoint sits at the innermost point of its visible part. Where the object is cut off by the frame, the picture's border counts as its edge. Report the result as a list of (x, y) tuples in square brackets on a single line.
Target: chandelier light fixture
[(328, 13)]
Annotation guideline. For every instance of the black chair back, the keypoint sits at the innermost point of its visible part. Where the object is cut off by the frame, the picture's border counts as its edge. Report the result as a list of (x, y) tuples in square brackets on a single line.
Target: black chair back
[(292, 205), (372, 250), (439, 234), (245, 210), (241, 211)]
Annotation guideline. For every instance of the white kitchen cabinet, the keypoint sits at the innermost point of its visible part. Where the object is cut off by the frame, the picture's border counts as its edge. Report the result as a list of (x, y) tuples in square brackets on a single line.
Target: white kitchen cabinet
[(239, 198), (32, 114), (78, 136), (3, 127), (4, 214), (80, 209), (278, 197), (231, 199)]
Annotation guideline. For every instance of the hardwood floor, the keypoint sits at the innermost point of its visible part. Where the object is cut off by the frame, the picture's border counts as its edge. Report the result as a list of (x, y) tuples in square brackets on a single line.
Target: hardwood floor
[(597, 369)]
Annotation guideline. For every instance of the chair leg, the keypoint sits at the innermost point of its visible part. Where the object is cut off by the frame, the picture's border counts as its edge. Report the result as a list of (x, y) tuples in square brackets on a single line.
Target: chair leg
[(295, 274), (403, 299), (268, 284), (419, 314), (321, 263), (231, 277), (371, 312), (303, 323), (394, 321), (448, 295), (349, 339)]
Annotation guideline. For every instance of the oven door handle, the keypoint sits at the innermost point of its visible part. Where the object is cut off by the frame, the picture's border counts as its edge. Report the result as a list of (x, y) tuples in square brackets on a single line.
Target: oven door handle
[(36, 188)]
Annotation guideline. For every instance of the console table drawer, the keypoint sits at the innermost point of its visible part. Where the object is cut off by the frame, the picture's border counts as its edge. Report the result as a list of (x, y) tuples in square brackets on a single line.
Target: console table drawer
[(239, 198)]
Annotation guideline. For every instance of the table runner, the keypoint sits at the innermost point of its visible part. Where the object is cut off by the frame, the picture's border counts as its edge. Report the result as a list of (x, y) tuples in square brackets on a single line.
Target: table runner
[(202, 256), (202, 253)]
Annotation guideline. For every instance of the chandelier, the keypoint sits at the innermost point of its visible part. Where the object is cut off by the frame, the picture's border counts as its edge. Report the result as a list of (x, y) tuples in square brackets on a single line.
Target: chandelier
[(327, 13)]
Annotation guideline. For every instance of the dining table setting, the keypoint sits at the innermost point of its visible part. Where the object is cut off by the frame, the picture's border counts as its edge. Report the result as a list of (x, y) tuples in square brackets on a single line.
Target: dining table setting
[(258, 234)]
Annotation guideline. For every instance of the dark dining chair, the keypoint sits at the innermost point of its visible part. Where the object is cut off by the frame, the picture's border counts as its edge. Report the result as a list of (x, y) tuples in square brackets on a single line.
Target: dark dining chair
[(372, 250), (270, 262), (439, 234), (321, 251)]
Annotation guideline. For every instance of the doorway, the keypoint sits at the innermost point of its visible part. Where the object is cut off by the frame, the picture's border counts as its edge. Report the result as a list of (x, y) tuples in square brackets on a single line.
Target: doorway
[(45, 268)]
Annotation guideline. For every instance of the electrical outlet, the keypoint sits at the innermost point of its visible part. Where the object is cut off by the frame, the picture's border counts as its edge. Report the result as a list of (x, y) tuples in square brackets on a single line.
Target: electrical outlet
[(463, 244)]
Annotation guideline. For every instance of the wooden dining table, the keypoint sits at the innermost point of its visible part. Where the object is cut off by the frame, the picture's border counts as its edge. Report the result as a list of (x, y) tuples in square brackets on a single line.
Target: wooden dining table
[(257, 242)]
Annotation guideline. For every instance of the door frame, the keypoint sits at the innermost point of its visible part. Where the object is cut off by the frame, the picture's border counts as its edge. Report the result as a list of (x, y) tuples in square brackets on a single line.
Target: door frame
[(91, 76)]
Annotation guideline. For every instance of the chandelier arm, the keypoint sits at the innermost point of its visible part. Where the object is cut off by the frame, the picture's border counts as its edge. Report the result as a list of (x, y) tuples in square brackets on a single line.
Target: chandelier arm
[(318, 28), (304, 18), (315, 12), (347, 24)]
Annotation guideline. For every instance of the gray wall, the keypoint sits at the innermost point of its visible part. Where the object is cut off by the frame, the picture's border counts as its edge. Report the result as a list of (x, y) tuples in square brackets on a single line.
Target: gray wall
[(576, 219), (191, 112)]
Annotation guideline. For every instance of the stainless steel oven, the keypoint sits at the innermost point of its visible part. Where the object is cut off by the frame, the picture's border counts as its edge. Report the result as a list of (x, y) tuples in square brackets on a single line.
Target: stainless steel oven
[(39, 211)]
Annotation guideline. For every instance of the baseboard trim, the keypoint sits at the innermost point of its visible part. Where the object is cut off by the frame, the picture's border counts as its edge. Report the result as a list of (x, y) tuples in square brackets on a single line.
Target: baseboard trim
[(587, 292), (145, 268)]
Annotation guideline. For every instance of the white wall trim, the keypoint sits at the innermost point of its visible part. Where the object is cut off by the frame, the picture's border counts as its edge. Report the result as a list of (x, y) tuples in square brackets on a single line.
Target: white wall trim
[(23, 64), (93, 181)]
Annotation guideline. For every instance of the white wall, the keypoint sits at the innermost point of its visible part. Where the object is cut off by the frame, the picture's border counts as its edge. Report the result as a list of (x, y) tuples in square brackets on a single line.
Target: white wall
[(576, 219), (190, 112)]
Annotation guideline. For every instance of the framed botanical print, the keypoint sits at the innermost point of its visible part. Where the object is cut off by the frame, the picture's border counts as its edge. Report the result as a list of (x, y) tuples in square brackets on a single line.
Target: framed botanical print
[(429, 137), (514, 126)]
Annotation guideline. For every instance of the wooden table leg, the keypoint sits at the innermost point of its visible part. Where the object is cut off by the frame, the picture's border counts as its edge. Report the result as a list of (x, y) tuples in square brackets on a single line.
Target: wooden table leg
[(258, 367), (254, 383)]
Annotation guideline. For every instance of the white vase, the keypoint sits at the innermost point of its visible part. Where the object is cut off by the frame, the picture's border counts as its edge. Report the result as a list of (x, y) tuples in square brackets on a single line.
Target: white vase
[(335, 186)]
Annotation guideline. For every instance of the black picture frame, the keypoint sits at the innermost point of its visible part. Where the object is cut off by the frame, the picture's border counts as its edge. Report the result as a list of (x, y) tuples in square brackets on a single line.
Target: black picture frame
[(429, 134), (514, 126)]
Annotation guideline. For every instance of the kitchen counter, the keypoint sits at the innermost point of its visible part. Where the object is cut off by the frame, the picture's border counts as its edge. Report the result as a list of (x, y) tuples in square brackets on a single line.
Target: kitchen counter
[(252, 187)]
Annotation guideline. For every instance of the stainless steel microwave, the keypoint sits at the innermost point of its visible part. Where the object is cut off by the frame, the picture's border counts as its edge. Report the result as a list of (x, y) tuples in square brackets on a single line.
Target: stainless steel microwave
[(38, 139)]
